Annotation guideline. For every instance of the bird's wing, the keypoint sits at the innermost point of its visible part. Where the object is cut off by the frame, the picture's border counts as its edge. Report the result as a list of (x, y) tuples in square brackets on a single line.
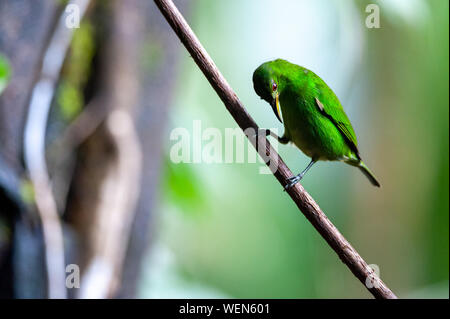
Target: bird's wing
[(335, 113)]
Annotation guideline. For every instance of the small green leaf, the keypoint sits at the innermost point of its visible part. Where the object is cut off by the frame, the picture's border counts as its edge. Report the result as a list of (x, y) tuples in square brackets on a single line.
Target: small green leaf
[(5, 72)]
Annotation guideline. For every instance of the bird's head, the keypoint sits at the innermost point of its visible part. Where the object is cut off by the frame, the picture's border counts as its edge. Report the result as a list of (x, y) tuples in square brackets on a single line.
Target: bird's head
[(267, 86)]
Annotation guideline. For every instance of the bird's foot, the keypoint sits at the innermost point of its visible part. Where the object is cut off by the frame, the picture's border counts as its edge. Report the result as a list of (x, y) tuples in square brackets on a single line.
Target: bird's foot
[(292, 181)]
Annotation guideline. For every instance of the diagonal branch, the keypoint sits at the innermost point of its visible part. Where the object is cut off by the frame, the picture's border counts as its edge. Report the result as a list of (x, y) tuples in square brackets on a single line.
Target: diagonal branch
[(304, 201)]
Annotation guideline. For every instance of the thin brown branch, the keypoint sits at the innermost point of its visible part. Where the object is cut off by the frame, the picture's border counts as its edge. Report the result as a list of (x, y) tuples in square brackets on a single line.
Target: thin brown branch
[(304, 201)]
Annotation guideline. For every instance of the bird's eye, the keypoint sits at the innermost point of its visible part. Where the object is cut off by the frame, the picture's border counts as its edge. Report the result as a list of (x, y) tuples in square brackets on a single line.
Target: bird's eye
[(274, 87)]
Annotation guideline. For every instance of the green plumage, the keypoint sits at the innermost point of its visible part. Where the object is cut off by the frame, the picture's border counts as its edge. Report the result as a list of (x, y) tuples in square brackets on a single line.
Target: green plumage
[(313, 117)]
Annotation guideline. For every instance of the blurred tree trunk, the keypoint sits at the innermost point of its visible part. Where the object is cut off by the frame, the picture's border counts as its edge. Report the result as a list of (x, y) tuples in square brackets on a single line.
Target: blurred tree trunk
[(157, 73), (138, 65), (109, 211), (25, 27)]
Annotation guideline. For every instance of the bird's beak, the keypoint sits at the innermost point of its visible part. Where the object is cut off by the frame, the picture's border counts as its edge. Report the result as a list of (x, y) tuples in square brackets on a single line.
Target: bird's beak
[(276, 108)]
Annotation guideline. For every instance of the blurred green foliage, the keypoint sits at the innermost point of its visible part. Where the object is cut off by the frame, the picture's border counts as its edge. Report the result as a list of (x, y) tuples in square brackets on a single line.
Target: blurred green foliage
[(27, 192), (152, 54), (76, 73), (70, 100), (249, 240), (5, 72), (183, 188)]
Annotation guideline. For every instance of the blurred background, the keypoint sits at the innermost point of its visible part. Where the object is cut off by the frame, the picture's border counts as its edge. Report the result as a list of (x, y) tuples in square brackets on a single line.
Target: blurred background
[(85, 144)]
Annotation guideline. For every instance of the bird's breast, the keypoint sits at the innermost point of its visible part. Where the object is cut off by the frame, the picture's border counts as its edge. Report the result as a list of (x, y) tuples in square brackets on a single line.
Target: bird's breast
[(310, 131)]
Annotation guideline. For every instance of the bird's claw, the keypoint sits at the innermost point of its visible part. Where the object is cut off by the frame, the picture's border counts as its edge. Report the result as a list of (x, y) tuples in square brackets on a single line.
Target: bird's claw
[(292, 181)]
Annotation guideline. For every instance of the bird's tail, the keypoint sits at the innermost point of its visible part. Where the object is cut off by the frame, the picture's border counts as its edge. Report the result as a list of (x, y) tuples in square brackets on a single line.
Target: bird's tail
[(366, 171)]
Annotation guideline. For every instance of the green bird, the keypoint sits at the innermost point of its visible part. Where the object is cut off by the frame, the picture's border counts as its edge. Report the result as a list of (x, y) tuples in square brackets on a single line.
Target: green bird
[(313, 117)]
